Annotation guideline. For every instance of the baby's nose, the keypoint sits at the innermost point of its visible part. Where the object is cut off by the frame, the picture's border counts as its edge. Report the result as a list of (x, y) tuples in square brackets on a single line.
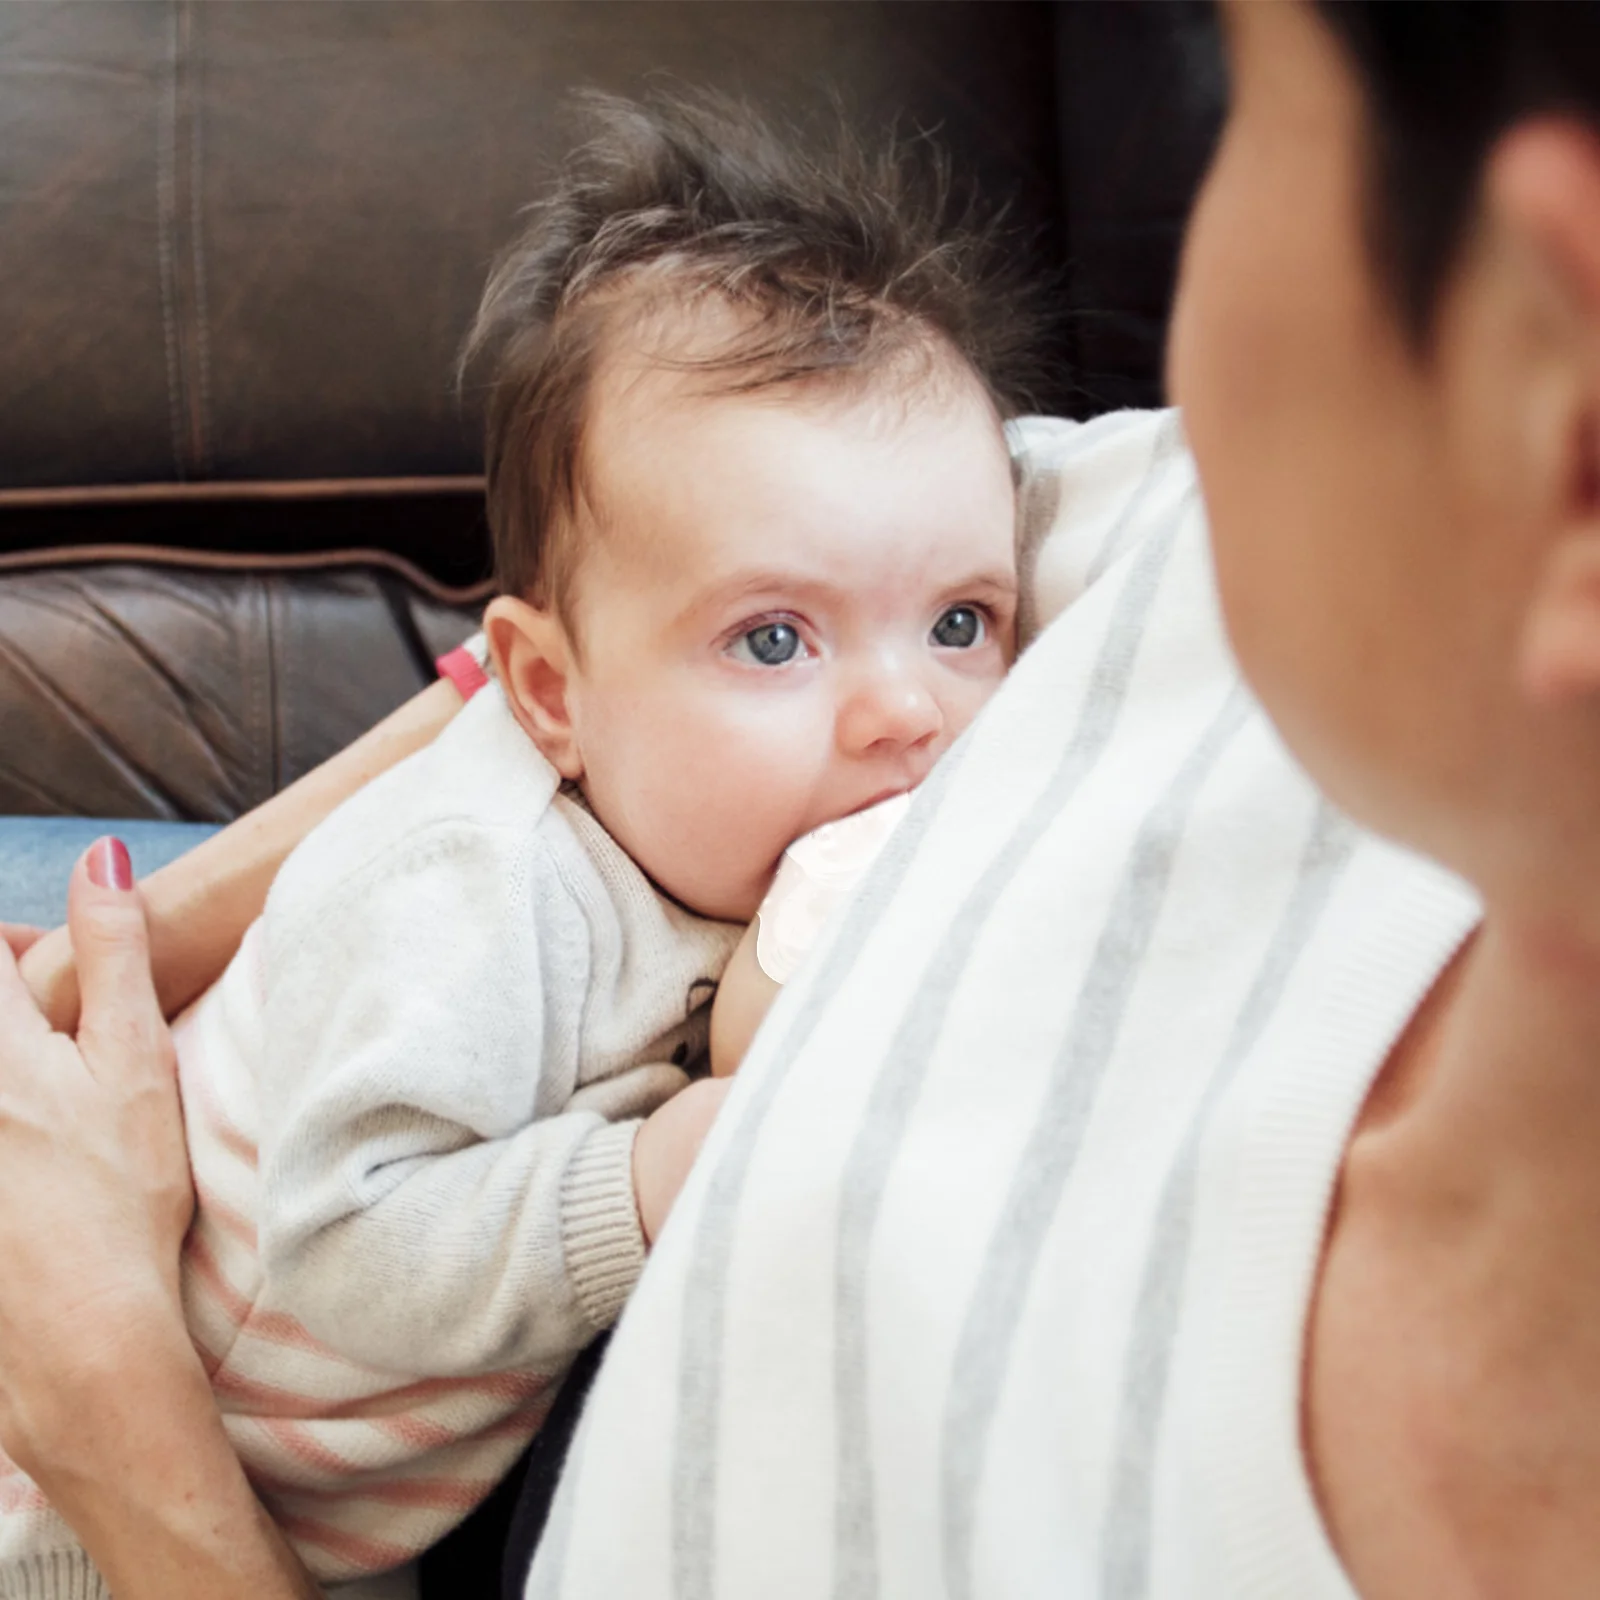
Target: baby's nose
[(889, 711)]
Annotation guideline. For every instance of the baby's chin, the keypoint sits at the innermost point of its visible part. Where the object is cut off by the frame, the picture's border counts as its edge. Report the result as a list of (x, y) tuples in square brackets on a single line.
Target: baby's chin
[(714, 896), (724, 897)]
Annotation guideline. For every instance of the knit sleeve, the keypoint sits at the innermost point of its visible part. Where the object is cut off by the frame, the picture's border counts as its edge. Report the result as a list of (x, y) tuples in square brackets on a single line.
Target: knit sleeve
[(428, 1205)]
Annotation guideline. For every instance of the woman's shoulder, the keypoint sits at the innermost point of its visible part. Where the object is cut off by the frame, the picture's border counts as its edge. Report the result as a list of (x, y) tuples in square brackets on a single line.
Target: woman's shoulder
[(1088, 492)]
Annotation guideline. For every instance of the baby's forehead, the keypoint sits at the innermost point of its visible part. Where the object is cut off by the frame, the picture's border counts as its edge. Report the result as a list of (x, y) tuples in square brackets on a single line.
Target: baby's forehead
[(658, 329), (672, 440), (674, 383)]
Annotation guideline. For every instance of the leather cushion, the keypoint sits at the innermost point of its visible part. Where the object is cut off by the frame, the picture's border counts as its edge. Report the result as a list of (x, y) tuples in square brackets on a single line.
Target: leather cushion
[(169, 689)]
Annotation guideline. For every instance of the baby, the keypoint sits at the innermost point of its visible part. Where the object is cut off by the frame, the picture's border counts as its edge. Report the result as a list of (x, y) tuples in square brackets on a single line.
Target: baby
[(753, 519)]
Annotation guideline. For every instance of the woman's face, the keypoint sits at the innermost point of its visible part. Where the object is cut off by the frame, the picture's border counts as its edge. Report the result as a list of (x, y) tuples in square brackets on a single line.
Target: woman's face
[(1367, 555)]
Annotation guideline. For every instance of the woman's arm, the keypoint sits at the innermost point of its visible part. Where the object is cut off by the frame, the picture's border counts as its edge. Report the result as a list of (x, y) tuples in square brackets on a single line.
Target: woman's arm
[(200, 905), (143, 1472), (103, 1400)]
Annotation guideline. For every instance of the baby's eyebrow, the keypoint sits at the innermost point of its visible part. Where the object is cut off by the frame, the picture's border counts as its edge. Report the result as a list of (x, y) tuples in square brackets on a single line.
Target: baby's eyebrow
[(997, 585), (993, 586), (996, 580), (761, 580)]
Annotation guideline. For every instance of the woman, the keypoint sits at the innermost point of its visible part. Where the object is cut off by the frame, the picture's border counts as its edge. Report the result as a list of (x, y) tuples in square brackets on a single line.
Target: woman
[(1386, 352)]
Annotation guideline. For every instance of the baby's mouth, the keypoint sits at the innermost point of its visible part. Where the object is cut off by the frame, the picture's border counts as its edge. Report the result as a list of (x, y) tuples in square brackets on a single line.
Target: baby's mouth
[(880, 798)]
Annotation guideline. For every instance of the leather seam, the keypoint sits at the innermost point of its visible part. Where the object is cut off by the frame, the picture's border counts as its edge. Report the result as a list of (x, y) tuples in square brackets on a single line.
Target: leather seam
[(201, 421), (166, 206), (51, 559), (178, 202), (43, 497)]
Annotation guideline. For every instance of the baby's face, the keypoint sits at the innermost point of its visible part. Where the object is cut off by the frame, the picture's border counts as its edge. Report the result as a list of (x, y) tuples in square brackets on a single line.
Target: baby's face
[(793, 602)]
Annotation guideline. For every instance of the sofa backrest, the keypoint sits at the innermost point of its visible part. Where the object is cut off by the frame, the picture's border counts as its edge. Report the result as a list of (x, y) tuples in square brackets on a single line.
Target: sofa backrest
[(242, 242)]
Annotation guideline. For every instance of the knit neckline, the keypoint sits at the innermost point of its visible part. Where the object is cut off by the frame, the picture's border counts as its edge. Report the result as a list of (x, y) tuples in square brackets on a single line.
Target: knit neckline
[(1284, 1132)]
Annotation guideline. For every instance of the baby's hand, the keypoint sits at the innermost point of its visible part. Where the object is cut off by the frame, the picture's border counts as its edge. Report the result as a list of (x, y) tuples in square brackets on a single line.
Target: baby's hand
[(666, 1147), (18, 936), (50, 973)]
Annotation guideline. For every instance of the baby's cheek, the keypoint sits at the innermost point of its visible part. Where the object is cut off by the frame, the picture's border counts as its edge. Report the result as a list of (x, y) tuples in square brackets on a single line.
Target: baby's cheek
[(981, 690)]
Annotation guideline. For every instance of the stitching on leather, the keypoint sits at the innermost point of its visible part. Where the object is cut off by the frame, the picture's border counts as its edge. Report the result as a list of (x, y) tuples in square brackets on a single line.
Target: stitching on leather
[(254, 489), (178, 201), (93, 555), (199, 391), (166, 207)]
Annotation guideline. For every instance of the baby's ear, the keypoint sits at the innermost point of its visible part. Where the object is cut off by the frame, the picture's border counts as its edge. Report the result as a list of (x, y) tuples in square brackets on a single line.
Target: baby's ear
[(532, 658)]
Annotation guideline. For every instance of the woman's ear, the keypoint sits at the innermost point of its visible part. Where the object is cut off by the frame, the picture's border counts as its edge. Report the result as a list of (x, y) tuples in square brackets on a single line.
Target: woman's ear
[(1560, 657), (1543, 181), (533, 659)]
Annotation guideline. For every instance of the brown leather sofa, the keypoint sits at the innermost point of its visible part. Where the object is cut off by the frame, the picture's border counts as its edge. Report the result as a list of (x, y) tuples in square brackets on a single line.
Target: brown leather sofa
[(239, 243)]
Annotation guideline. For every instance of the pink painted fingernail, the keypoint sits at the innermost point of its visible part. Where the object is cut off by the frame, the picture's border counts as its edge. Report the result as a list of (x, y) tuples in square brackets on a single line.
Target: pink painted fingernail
[(109, 864)]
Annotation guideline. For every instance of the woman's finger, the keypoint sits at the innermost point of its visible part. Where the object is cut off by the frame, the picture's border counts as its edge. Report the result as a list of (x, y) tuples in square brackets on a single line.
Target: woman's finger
[(120, 1025), (18, 936)]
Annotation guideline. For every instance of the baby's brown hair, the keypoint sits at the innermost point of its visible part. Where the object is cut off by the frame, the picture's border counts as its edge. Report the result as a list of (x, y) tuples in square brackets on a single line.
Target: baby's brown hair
[(841, 260)]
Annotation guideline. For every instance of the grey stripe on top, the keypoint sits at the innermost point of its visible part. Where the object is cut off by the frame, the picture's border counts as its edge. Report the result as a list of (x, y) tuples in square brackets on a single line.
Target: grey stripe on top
[(1126, 1532), (694, 1473), (983, 1350), (899, 1081)]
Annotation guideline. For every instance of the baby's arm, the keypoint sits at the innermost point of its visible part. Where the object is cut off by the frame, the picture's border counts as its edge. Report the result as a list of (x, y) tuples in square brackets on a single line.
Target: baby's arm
[(428, 1205), (200, 905)]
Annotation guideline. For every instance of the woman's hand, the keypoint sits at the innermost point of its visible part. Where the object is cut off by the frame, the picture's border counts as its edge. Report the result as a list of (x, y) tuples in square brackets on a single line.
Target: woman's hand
[(103, 1399), (91, 1134)]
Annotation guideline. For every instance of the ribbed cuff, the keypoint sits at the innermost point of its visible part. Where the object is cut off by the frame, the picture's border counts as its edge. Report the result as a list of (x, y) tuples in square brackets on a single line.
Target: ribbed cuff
[(600, 1229), (53, 1575)]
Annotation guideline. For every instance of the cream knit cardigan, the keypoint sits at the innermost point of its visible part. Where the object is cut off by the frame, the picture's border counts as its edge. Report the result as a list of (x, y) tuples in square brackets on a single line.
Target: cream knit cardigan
[(409, 1105)]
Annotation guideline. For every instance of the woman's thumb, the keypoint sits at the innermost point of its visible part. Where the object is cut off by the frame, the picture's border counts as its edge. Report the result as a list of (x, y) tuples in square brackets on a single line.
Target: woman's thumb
[(111, 947)]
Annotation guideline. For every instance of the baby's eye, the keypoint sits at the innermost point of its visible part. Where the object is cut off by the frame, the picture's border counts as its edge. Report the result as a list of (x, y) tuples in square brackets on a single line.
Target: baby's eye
[(959, 628), (769, 644)]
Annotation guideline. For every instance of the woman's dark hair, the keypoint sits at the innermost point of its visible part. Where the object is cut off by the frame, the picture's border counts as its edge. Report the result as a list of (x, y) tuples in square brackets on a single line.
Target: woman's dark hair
[(1442, 80)]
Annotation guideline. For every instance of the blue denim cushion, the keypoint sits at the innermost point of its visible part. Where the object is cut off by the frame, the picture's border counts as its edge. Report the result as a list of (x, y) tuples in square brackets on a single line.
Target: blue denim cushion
[(37, 853)]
